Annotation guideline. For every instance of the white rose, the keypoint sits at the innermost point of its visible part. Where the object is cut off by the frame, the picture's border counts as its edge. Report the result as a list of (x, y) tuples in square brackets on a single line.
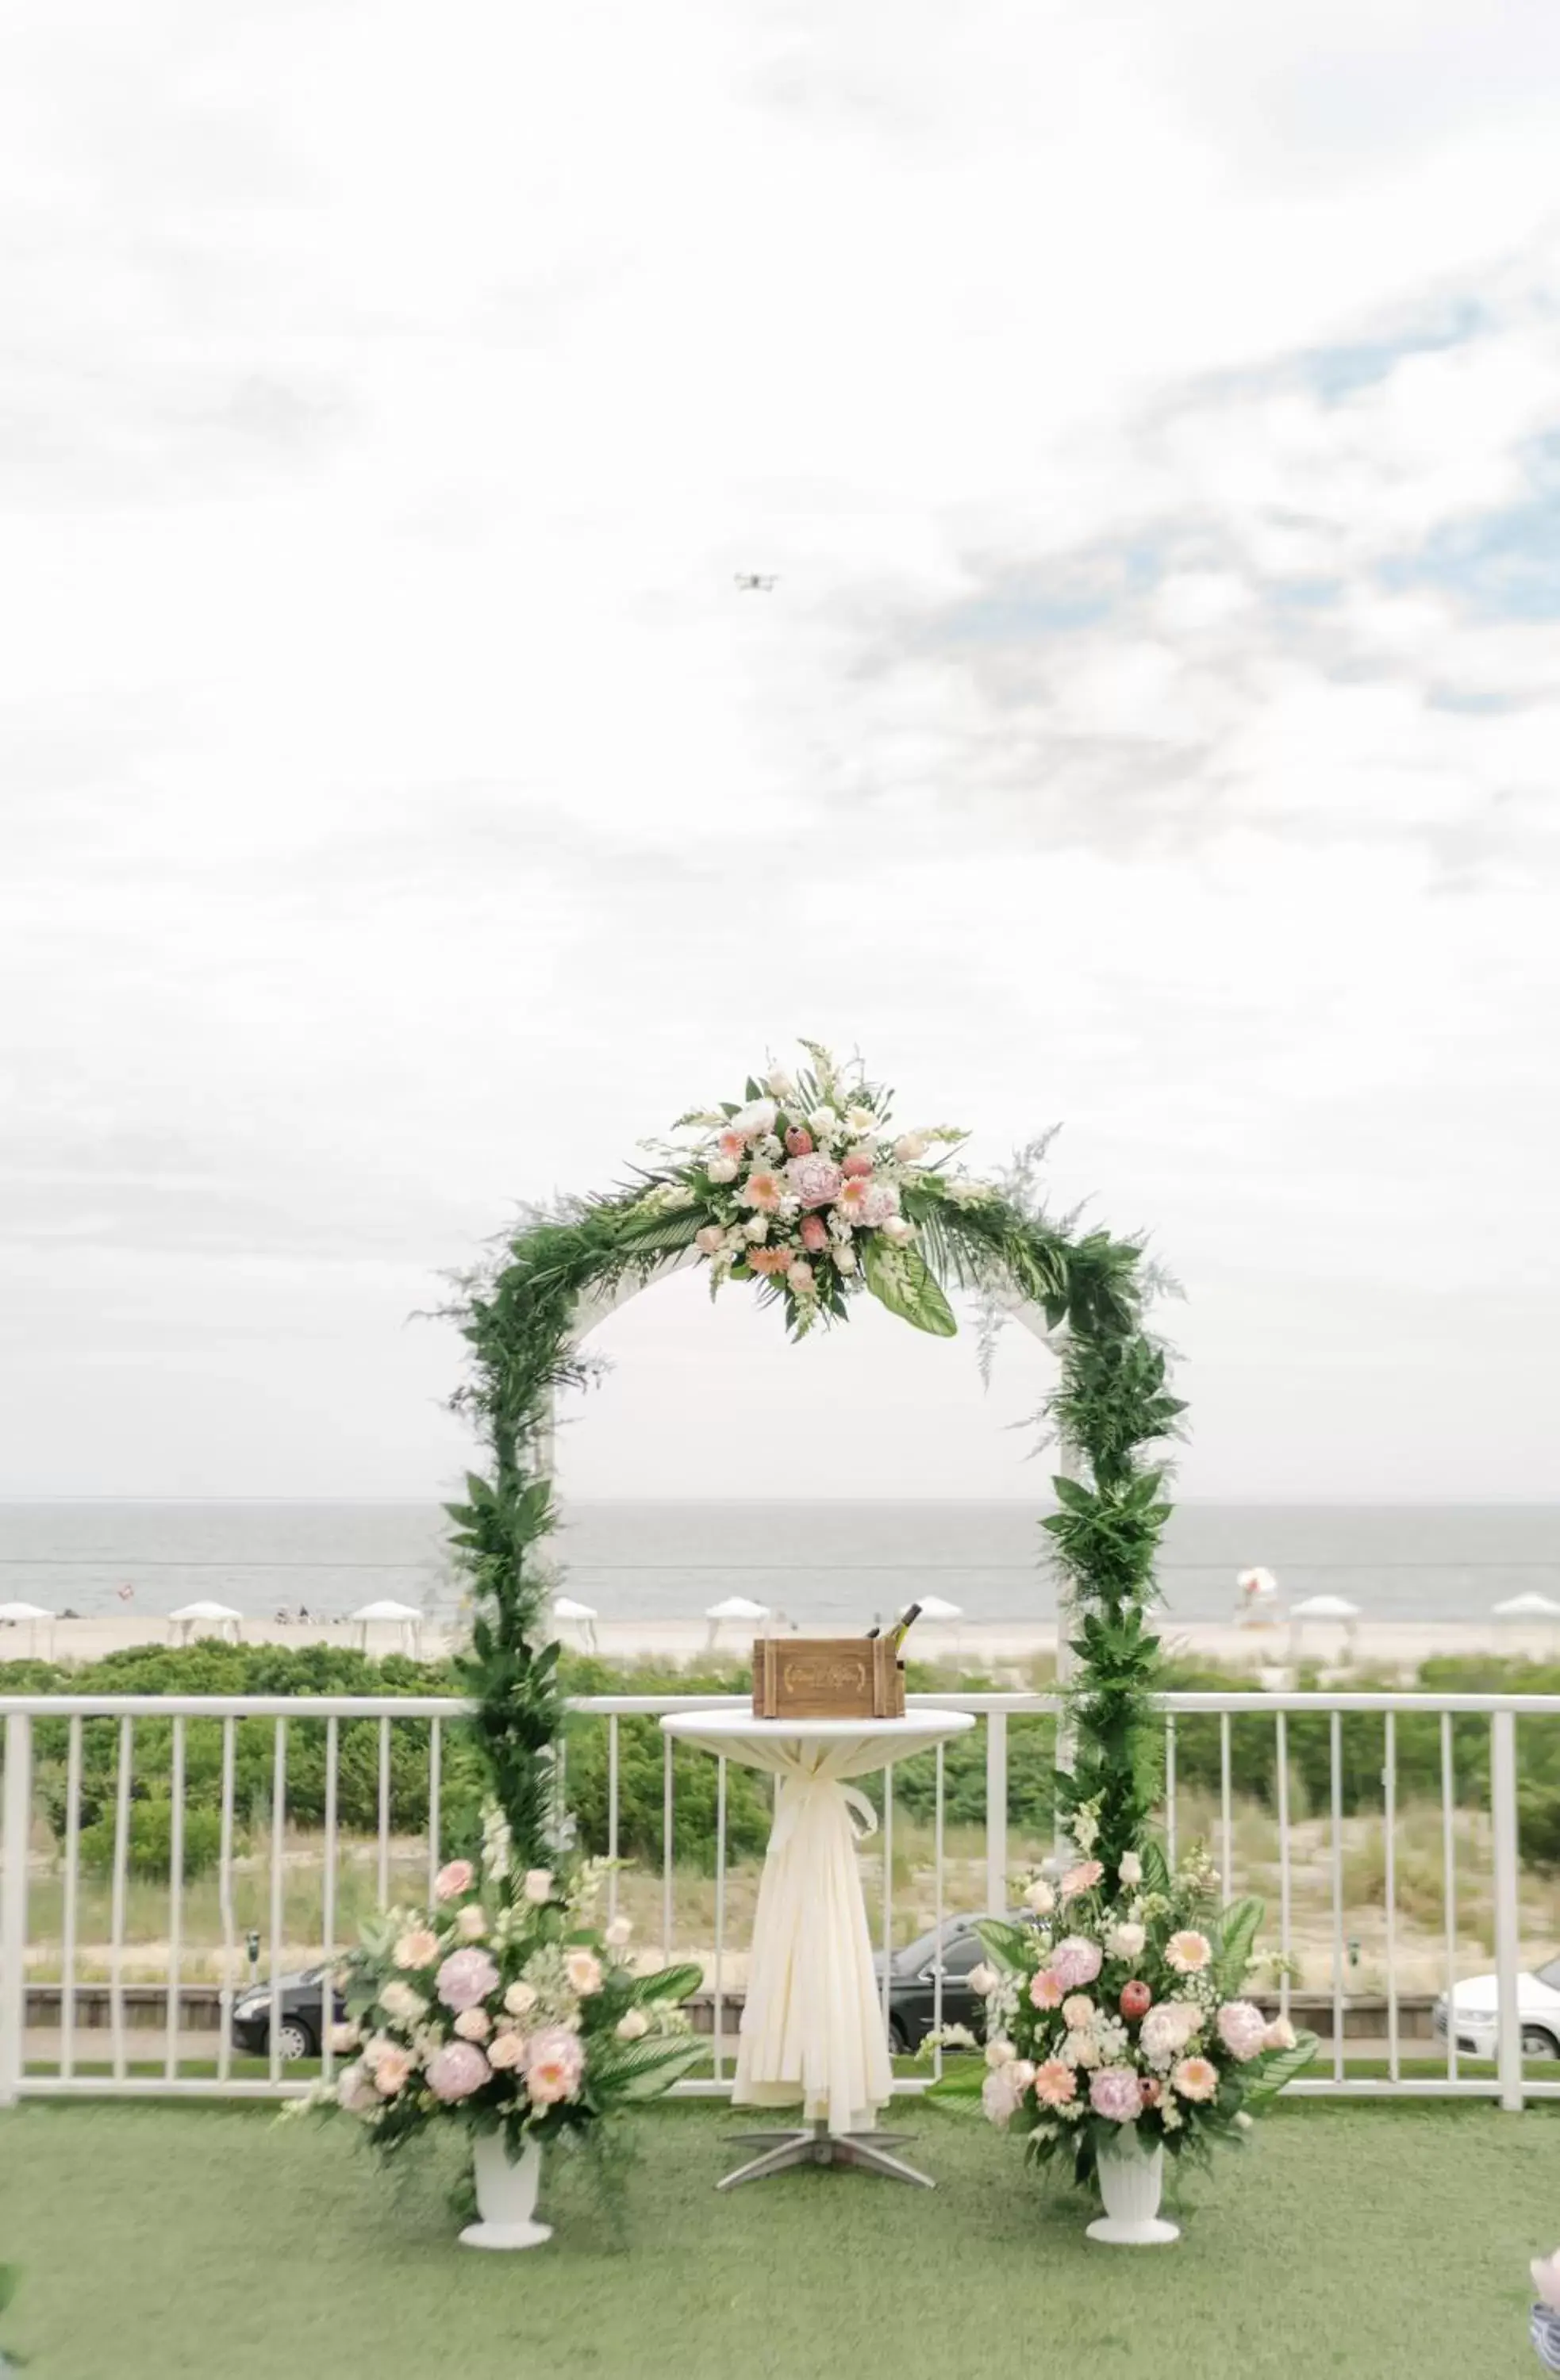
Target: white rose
[(899, 1229), (538, 1885), (398, 2000), (1131, 1868), (470, 1924), (782, 1084), (721, 1168), (507, 2050), (756, 1228), (1000, 2053), (1040, 1897), (753, 1121), (343, 2036), (1125, 1941), (633, 2026), (473, 2024), (845, 1256), (909, 1145), (982, 1981), (520, 1999), (822, 1122), (799, 1276), (858, 1121), (621, 1930)]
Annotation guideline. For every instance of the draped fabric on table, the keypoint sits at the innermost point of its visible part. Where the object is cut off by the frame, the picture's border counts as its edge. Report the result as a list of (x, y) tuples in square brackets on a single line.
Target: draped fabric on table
[(812, 2027)]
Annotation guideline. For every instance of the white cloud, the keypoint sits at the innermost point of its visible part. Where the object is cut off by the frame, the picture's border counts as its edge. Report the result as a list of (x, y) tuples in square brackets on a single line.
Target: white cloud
[(404, 813)]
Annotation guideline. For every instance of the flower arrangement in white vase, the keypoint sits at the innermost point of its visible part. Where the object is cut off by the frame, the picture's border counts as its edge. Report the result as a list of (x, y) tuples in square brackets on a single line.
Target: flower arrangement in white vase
[(503, 2009), (1117, 2029)]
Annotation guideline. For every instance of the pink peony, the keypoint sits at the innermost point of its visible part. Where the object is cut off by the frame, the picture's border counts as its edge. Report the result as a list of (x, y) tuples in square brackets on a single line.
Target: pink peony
[(858, 1165), (466, 1978), (798, 1141), (1045, 1990), (1242, 2029), (1055, 2083), (457, 2070), (1075, 1962), (453, 1880), (999, 2099), (1114, 2092), (814, 1234), (554, 2063), (1195, 2078), (1082, 1878), (881, 1201), (814, 1180)]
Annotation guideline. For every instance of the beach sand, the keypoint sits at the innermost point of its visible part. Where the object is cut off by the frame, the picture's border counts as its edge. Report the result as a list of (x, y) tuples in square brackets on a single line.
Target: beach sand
[(993, 1646)]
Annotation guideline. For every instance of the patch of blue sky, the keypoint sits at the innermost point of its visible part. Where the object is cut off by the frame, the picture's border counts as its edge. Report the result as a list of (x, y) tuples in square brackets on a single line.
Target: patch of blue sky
[(1023, 605), (1338, 373), (1504, 567)]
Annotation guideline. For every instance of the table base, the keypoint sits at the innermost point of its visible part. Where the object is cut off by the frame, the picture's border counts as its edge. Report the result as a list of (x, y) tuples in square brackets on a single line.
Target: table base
[(815, 2144)]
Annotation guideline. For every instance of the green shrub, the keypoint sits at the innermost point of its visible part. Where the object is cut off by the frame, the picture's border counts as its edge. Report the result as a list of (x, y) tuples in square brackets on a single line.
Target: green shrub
[(149, 1841)]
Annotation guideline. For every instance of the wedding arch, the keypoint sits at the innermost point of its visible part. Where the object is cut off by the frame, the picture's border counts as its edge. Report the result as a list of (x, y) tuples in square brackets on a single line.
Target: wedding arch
[(807, 1190)]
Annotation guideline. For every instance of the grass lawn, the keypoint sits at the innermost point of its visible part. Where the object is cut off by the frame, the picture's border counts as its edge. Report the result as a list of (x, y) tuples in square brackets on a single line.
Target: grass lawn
[(1377, 2241)]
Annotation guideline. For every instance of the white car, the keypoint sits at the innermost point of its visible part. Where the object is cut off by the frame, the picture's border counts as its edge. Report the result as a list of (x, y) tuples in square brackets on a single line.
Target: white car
[(1474, 2022)]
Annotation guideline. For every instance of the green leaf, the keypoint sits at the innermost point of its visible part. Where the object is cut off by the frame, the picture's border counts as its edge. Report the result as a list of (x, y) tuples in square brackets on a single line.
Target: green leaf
[(665, 1983), (1238, 1931), (643, 2070), (1281, 2066), (900, 1280), (1012, 1947)]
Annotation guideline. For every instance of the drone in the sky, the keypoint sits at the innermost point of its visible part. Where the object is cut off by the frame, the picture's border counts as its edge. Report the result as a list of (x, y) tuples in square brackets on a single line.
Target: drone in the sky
[(754, 582)]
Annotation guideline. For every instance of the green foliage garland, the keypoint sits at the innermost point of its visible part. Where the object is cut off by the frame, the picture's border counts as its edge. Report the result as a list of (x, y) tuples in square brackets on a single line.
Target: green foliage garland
[(791, 1227)]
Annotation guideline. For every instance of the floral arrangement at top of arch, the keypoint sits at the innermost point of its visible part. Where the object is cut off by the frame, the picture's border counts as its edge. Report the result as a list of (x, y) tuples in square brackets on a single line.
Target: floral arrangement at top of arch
[(809, 1188)]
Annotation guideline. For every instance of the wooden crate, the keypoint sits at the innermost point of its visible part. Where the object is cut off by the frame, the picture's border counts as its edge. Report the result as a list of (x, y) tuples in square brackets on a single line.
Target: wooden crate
[(827, 1676)]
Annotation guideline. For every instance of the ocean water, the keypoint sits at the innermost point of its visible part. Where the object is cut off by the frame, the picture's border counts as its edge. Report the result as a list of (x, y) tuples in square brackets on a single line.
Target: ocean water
[(839, 1563)]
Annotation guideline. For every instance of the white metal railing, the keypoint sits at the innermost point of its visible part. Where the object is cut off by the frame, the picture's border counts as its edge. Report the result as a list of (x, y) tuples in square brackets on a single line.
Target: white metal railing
[(67, 2065)]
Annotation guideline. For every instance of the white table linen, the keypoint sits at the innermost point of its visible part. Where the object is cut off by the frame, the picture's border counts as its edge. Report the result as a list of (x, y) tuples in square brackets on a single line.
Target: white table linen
[(813, 2025)]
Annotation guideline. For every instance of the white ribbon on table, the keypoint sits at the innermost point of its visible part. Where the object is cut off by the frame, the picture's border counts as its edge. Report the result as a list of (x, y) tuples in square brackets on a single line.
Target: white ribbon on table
[(813, 2025)]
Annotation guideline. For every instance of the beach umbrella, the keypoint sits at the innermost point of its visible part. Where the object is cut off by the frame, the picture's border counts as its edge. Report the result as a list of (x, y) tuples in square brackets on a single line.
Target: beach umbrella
[(387, 1612), (1322, 1607), (932, 1607), (566, 1608), (28, 1614), (206, 1617), (732, 1607), (1515, 1607)]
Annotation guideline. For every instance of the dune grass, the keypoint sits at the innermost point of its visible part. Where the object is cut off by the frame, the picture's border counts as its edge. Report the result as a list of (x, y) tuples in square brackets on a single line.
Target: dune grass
[(160, 2242)]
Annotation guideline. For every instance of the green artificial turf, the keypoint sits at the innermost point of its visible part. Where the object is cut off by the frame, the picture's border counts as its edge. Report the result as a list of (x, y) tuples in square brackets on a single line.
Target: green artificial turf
[(158, 2241)]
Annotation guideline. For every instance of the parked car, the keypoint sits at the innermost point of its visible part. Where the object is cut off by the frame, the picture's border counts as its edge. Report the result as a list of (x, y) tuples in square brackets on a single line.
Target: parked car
[(912, 1981), (301, 2020), (1472, 2020)]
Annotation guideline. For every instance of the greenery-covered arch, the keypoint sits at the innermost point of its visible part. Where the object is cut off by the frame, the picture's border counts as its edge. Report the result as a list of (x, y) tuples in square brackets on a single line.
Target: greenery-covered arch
[(807, 1189)]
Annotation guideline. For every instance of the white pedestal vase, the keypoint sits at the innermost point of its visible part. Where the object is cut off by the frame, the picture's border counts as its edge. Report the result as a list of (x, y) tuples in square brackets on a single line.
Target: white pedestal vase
[(505, 2196), (1130, 2182)]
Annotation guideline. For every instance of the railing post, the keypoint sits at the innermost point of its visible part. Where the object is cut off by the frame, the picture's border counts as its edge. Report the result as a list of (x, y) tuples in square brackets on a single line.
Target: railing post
[(1502, 1813), (997, 1813), (14, 1832)]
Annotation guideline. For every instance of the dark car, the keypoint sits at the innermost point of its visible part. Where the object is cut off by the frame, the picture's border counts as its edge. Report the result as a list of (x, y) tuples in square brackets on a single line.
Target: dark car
[(301, 2021), (912, 1981)]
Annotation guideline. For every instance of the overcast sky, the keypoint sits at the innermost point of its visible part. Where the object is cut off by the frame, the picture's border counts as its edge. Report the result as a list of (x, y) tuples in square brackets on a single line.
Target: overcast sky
[(1154, 422)]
